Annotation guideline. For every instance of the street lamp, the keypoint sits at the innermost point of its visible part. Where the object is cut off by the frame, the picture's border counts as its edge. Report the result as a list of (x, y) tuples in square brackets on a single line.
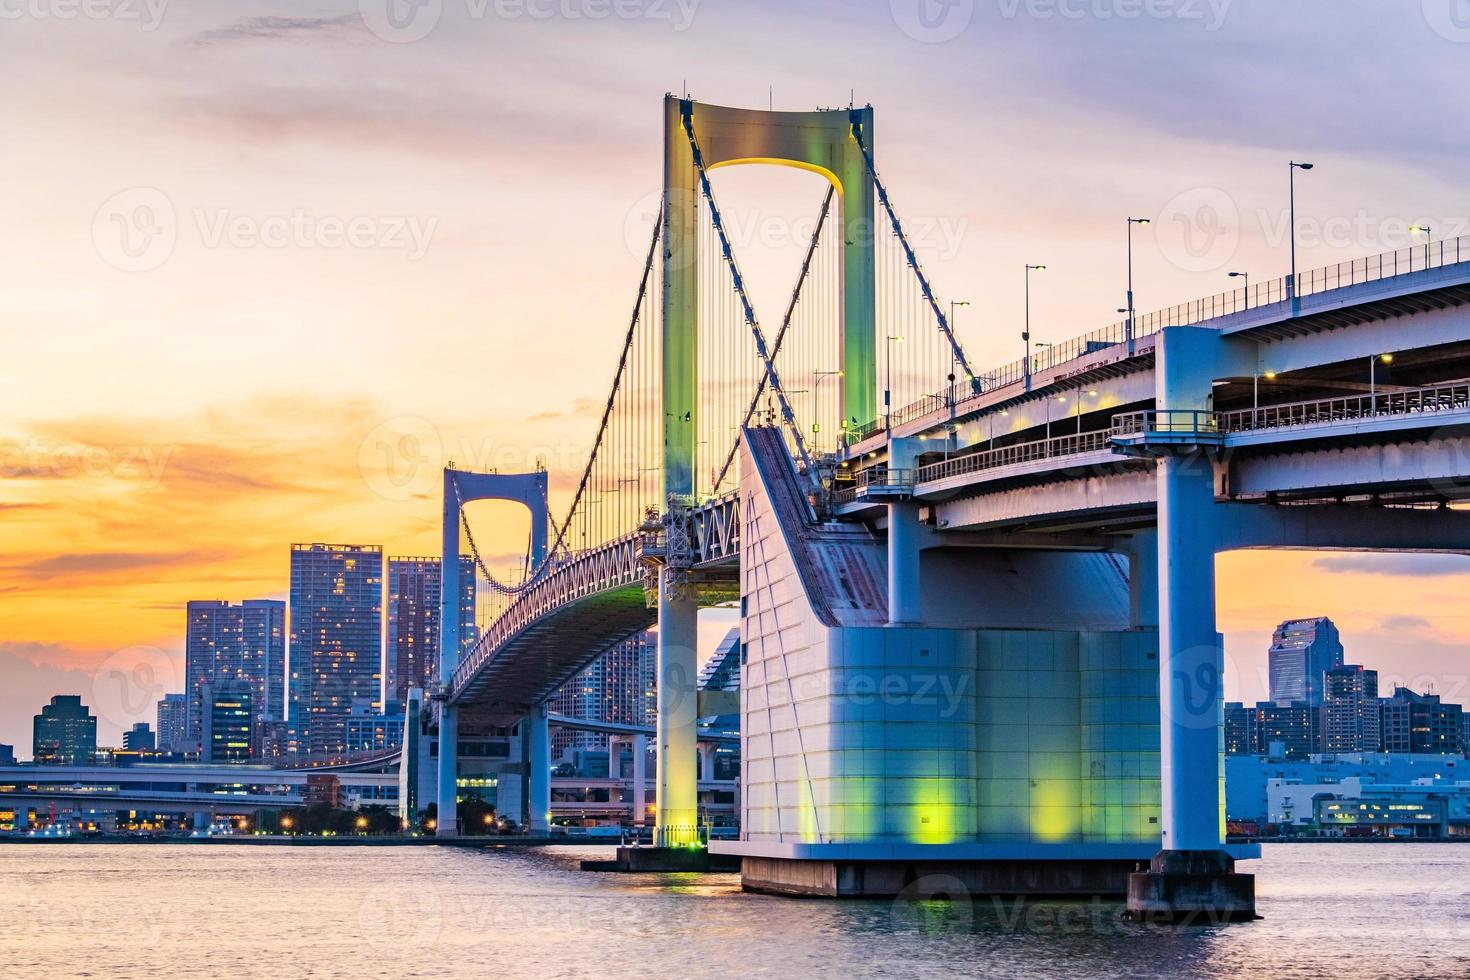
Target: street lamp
[(1247, 277), (954, 361), (1026, 333), (1291, 219), (888, 381), (1373, 380), (817, 378), (1131, 223), (1426, 230)]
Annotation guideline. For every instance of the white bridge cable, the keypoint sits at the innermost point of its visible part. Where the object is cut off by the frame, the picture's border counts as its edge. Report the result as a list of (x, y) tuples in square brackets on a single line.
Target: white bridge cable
[(635, 362), (912, 260), (747, 310)]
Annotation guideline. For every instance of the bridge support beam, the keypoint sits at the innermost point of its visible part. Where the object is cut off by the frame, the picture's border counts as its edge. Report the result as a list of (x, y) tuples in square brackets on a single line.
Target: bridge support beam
[(904, 594), (447, 824), (677, 813), (640, 780), (537, 733)]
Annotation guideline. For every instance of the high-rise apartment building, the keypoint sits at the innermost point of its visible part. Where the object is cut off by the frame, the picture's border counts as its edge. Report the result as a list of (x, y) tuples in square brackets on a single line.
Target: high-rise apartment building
[(1302, 652), (1351, 711), (336, 641), (229, 645), (1411, 722), (173, 723), (412, 649), (64, 733)]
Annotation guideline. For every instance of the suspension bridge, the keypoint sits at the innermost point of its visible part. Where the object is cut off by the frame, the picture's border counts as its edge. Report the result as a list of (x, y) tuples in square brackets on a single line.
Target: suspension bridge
[(977, 607)]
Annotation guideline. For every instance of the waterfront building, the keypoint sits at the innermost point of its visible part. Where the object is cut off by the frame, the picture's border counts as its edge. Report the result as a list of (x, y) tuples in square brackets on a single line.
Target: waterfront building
[(1302, 652), (370, 731), (1351, 715), (229, 733), (414, 589), (336, 629), (619, 686), (1291, 730), (1412, 722), (1240, 730), (139, 738), (1248, 778), (230, 645), (64, 733), (173, 723)]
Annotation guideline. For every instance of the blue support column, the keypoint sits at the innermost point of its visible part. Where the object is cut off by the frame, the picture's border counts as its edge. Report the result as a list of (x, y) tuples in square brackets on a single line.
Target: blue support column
[(448, 819), (677, 801), (904, 594), (538, 819)]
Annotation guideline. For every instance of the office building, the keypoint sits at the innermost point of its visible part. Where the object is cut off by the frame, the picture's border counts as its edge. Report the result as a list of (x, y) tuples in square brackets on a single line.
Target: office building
[(235, 644), (64, 733), (1351, 716), (229, 731), (173, 723), (1288, 731), (1420, 723), (372, 732), (7, 754), (1302, 652), (336, 637), (1240, 730), (139, 738), (414, 589)]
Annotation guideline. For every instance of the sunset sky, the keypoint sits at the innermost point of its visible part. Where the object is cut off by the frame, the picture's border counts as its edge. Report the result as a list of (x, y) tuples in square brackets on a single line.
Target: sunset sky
[(369, 236)]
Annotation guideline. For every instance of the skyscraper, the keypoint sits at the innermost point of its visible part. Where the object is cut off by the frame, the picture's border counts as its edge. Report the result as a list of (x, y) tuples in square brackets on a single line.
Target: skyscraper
[(230, 645), (1302, 652), (64, 733), (1351, 710), (619, 686), (414, 588), (173, 723), (336, 640), (231, 733)]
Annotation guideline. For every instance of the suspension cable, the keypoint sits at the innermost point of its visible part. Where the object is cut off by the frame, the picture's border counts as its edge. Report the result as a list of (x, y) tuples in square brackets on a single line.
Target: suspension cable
[(561, 530), (913, 260), (788, 416), (801, 278)]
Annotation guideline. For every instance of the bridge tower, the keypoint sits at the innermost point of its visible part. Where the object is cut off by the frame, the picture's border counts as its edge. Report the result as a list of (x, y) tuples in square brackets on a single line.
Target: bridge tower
[(460, 488), (823, 142)]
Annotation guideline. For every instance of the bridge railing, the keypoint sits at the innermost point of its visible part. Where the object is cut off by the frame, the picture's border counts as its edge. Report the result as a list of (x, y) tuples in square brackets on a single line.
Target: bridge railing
[(1373, 268), (1024, 452), (1171, 421), (1436, 398)]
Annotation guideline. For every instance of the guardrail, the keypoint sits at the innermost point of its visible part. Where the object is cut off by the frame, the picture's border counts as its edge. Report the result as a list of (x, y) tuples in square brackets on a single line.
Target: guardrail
[(1374, 268), (1437, 398), (1168, 421), (1024, 452)]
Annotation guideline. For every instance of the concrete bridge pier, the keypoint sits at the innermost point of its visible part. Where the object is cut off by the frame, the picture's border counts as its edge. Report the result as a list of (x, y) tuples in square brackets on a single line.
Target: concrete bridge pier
[(537, 734), (677, 765), (448, 797)]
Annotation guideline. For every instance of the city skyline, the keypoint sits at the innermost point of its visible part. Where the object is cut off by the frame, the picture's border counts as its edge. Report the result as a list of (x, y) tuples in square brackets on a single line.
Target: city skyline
[(99, 480)]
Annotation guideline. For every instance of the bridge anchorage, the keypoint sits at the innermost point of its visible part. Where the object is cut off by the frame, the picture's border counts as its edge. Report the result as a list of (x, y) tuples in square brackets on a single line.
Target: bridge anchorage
[(977, 615)]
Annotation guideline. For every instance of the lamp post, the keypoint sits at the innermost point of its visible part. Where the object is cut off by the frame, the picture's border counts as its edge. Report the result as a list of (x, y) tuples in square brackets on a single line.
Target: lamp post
[(1291, 170), (1129, 330), (1247, 277), (1026, 333), (954, 361), (1373, 380), (1427, 240), (888, 382), (817, 378)]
